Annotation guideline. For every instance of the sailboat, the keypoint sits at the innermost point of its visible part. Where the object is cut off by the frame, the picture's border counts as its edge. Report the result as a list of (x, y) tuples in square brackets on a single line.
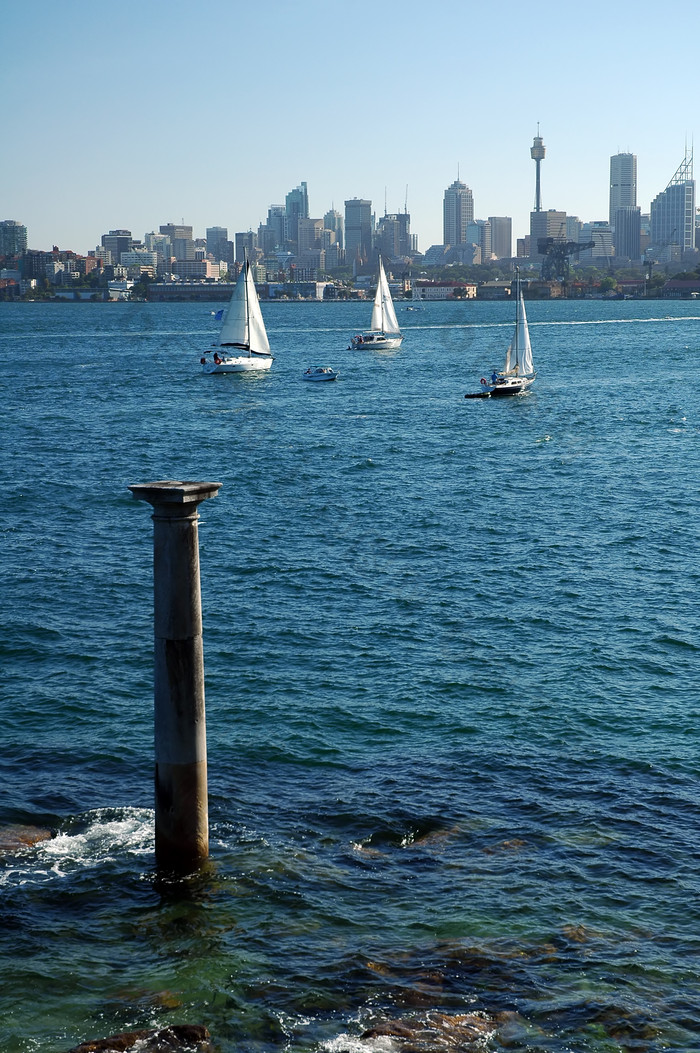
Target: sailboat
[(416, 299), (384, 333), (243, 339), (518, 373)]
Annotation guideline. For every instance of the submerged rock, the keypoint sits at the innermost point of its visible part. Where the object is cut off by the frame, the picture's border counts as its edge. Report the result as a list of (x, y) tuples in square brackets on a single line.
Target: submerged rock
[(180, 1038), (15, 838), (435, 1031)]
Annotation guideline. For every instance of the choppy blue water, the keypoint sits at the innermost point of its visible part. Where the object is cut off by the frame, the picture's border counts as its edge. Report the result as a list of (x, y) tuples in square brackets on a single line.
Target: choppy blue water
[(451, 658)]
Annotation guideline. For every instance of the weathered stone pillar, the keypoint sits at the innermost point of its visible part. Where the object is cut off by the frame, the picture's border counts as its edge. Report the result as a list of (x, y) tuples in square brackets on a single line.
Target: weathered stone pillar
[(182, 822)]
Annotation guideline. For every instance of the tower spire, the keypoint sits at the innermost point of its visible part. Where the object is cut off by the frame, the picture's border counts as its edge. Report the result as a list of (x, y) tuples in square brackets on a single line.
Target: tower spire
[(537, 152)]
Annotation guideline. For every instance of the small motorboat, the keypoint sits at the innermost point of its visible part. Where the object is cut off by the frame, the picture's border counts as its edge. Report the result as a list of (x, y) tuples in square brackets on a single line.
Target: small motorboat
[(319, 373)]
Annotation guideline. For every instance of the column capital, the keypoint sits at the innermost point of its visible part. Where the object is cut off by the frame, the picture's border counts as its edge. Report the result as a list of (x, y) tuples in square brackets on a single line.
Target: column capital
[(169, 494)]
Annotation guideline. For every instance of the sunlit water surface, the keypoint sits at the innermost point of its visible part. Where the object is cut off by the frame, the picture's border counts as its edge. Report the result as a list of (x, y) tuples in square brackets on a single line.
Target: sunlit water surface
[(451, 658)]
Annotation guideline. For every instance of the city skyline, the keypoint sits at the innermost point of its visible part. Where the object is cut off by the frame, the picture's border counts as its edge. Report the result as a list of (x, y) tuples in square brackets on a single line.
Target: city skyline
[(141, 141)]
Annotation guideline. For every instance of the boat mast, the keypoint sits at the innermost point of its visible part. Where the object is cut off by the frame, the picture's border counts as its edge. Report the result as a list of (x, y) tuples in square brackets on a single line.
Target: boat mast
[(381, 290), (247, 302), (517, 319)]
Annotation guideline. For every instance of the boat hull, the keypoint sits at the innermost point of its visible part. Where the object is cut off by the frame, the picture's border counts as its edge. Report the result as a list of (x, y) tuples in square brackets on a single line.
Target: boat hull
[(376, 342), (316, 375), (508, 386), (237, 364)]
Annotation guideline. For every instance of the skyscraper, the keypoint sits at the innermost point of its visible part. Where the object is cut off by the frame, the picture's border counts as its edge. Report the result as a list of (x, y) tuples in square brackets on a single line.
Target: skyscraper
[(13, 238), (246, 242), (387, 235), (479, 233), (180, 238), (628, 226), (334, 221), (217, 242), (673, 213), (623, 183), (358, 230), (309, 234), (116, 242), (457, 212), (549, 224), (501, 236), (296, 206), (271, 234)]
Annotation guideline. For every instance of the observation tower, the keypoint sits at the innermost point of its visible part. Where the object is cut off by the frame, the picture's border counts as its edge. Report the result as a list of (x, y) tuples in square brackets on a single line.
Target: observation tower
[(537, 152)]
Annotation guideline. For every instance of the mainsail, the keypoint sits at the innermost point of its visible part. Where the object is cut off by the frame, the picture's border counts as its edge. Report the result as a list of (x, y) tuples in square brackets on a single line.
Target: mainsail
[(519, 353), (383, 314), (243, 324)]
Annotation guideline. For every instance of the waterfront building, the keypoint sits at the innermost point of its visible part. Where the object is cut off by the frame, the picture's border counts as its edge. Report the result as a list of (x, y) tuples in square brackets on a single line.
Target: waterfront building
[(199, 270), (672, 214), (446, 290), (13, 238), (501, 237), (140, 260), (457, 212), (358, 230), (623, 183)]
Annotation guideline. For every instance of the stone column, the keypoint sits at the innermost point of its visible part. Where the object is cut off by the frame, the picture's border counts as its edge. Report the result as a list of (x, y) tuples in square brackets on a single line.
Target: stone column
[(182, 822)]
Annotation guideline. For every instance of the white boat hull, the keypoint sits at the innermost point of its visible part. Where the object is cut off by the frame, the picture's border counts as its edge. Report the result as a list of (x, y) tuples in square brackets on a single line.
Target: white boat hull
[(376, 342), (320, 374), (237, 364)]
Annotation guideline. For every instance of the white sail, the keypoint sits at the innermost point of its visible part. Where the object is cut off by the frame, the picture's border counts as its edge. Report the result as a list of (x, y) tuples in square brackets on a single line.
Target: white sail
[(524, 362), (243, 325), (383, 314), (519, 353)]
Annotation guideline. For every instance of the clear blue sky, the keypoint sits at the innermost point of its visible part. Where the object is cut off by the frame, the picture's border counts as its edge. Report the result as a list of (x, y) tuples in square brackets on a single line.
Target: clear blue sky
[(140, 113)]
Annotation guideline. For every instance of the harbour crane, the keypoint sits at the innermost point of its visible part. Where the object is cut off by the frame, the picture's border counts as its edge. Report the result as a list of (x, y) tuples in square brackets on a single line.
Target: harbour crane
[(556, 253)]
